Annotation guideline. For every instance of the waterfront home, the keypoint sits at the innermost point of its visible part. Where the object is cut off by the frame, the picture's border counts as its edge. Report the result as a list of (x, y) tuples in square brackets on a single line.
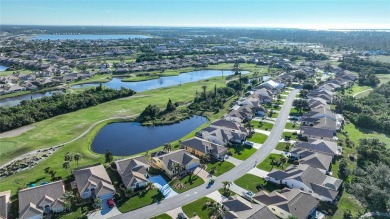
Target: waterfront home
[(133, 171), (231, 125), (200, 147), (288, 202), (221, 136), (307, 179), (36, 201), (93, 181), (176, 162), (238, 207), (5, 204)]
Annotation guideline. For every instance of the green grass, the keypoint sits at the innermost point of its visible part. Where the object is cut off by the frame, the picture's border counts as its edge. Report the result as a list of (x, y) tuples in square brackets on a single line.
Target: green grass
[(241, 152), (258, 138), (220, 167), (275, 115), (266, 164), (348, 202), (290, 125), (295, 112), (94, 79), (264, 126), (380, 58), (356, 89), (292, 136), (190, 181), (281, 146), (197, 207), (162, 216), (356, 133), (141, 200), (286, 92), (250, 182), (384, 78), (22, 71)]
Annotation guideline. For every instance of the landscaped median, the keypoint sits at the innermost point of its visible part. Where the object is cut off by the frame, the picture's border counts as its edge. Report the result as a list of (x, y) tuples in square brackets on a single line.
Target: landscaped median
[(273, 161)]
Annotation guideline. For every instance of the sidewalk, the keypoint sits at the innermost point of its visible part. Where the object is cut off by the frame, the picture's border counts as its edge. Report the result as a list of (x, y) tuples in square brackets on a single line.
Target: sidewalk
[(216, 196), (291, 130), (286, 154), (233, 160), (236, 189), (262, 131)]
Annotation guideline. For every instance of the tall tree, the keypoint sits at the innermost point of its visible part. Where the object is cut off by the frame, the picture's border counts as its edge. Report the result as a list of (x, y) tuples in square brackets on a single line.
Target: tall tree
[(108, 156), (77, 158)]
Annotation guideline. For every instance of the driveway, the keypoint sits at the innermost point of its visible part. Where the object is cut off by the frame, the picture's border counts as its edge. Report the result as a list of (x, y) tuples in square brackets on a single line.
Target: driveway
[(233, 160), (216, 196), (262, 132), (233, 174), (257, 172), (105, 212), (162, 185)]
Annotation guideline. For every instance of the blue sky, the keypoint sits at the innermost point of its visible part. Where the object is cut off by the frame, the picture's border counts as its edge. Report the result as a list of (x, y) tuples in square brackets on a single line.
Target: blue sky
[(312, 14)]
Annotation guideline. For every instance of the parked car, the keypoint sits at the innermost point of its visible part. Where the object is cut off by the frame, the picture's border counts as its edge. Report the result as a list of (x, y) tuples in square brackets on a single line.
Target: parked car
[(181, 216), (248, 144), (110, 203), (248, 195)]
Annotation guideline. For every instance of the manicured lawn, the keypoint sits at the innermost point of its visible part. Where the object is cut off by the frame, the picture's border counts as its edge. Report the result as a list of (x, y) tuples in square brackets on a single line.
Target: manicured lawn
[(162, 216), (290, 125), (190, 181), (266, 164), (293, 136), (286, 92), (220, 167), (254, 183), (356, 133), (262, 125), (141, 200), (274, 115), (295, 112), (228, 192), (241, 152), (258, 138), (282, 146), (198, 207)]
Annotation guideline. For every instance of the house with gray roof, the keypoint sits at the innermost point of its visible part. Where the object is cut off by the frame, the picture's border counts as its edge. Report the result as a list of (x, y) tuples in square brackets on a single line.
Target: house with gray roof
[(314, 159), (319, 133), (226, 124), (93, 181), (5, 204), (201, 147), (133, 171), (321, 146), (322, 117), (170, 162), (237, 207), (240, 114), (307, 179), (222, 136), (36, 201), (288, 202), (263, 95)]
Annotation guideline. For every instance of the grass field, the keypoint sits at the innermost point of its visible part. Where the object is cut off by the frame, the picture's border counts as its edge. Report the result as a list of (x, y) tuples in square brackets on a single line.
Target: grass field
[(197, 207), (356, 133), (291, 135), (266, 164), (380, 58), (258, 138), (220, 167), (384, 78)]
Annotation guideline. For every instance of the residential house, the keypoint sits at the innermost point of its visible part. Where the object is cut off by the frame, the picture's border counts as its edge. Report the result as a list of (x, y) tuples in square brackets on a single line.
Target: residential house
[(272, 86), (314, 159), (321, 146), (94, 182), (225, 124), (36, 201), (241, 114), (167, 162), (322, 117), (307, 179), (264, 95), (201, 147), (222, 136), (320, 133), (323, 94), (237, 207), (288, 202), (5, 204), (133, 171)]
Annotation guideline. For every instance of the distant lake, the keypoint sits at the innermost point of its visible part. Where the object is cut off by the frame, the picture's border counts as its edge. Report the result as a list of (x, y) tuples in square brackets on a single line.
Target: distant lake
[(3, 68), (183, 78), (86, 37), (13, 101), (128, 138)]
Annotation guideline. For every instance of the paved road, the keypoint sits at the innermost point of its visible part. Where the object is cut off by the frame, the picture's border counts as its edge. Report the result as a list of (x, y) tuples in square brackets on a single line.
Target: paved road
[(201, 191)]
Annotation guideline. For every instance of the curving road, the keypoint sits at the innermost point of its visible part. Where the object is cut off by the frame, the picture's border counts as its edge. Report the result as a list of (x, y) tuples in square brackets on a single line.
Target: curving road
[(201, 191)]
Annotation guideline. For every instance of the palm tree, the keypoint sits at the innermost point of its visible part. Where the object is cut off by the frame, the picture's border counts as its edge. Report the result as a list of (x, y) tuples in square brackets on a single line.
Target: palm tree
[(204, 87), (176, 168), (77, 157), (216, 210), (68, 197), (226, 185), (66, 166), (249, 126), (68, 157), (167, 147), (97, 202)]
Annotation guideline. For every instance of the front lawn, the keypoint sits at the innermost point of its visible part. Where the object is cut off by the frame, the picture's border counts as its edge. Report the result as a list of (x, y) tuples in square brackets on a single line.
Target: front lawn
[(162, 216), (197, 207), (290, 125), (274, 115), (241, 152), (267, 163), (296, 112), (142, 199), (282, 146), (220, 167), (190, 181), (254, 183), (258, 138), (290, 136), (262, 125)]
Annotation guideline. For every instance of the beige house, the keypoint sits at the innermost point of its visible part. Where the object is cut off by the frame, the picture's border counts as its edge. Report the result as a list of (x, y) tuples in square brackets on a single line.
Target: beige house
[(201, 147), (35, 201), (94, 182), (289, 202), (5, 204), (133, 171), (168, 162)]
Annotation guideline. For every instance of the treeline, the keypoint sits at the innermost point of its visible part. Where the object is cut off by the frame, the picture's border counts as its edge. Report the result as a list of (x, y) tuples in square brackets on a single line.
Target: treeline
[(211, 101), (30, 111), (309, 56), (354, 63), (371, 112)]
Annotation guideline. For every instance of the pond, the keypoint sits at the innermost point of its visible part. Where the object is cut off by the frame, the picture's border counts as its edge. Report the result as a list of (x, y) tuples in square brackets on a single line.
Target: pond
[(128, 138), (87, 37), (13, 101), (183, 78), (3, 68)]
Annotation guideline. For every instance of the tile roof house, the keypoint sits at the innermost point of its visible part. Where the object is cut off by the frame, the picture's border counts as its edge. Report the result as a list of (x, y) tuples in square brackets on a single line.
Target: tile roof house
[(5, 204), (133, 171), (320, 133), (202, 147), (167, 162), (321, 146), (322, 117), (264, 95), (314, 159), (240, 114), (35, 201), (94, 181), (307, 179), (239, 208), (288, 202), (221, 136), (221, 123)]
